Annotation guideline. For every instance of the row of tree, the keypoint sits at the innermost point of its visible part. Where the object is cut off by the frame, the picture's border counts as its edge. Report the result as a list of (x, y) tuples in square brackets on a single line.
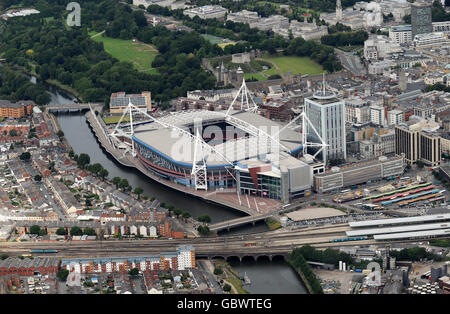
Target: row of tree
[(298, 261), (340, 39), (74, 231)]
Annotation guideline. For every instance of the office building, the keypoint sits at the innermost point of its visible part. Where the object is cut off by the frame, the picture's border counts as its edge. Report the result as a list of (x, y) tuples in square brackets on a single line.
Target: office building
[(360, 173), (401, 34), (206, 12), (119, 101), (327, 113), (421, 18), (418, 140)]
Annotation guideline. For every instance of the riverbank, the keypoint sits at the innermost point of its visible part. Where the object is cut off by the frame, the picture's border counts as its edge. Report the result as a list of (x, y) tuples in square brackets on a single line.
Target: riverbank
[(231, 277)]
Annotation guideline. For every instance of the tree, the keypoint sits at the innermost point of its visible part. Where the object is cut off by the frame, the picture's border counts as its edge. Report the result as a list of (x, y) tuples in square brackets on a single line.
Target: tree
[(89, 231), (218, 271), (4, 256), (25, 156), (34, 229), (76, 231), (420, 164), (124, 184), (203, 230), (60, 133), (71, 153), (61, 231), (138, 191), (13, 133), (133, 272), (116, 181), (226, 287), (96, 168), (103, 173), (204, 218), (186, 215), (83, 160), (42, 232), (177, 212), (38, 178), (62, 274)]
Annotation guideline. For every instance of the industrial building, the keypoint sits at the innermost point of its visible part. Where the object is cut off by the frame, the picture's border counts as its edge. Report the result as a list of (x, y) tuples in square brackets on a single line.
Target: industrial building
[(341, 177)]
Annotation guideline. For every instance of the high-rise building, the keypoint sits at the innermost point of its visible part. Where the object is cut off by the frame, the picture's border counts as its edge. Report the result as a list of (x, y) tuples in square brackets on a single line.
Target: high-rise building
[(418, 141), (327, 113), (421, 18)]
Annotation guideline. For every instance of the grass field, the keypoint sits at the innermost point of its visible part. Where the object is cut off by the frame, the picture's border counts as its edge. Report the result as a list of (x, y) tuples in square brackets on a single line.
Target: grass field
[(257, 76), (115, 119), (297, 65), (139, 54)]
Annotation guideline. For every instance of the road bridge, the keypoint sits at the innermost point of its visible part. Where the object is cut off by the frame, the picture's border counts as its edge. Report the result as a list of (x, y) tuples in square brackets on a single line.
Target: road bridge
[(238, 222), (72, 107)]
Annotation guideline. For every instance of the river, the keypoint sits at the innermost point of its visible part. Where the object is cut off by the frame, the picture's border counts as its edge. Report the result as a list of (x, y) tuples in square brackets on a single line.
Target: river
[(265, 276)]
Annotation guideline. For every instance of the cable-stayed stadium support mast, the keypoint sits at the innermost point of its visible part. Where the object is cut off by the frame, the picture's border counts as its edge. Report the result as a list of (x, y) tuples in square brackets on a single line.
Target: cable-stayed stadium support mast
[(244, 95)]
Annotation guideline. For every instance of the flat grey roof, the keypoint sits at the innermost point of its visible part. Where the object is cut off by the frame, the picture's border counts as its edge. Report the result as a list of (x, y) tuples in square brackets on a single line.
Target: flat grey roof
[(393, 221), (374, 231)]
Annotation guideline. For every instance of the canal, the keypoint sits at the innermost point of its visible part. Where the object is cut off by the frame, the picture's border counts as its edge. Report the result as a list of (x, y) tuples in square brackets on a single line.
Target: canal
[(265, 276)]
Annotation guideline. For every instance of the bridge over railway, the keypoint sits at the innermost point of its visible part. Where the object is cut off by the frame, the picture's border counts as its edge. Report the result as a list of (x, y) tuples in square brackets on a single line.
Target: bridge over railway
[(238, 222)]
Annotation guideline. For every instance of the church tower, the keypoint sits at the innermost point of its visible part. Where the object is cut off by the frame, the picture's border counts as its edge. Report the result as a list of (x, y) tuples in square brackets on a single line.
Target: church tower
[(338, 11)]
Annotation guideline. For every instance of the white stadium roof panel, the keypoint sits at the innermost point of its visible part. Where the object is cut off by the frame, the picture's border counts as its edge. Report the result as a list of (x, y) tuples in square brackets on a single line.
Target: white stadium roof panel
[(179, 147)]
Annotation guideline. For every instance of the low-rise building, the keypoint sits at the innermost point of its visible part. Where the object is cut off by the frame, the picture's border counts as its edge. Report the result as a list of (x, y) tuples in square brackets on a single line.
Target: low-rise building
[(16, 110), (119, 101), (359, 173)]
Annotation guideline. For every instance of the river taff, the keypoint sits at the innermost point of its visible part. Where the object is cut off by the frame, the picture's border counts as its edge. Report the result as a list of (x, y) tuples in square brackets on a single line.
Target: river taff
[(265, 276)]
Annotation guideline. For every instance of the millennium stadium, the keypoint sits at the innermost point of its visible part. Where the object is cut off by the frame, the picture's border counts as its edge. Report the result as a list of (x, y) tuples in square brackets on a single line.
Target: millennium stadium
[(232, 149)]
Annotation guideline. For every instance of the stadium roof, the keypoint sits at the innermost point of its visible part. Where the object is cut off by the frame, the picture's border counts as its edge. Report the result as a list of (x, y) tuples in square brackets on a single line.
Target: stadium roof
[(373, 231), (409, 235), (394, 221), (179, 147)]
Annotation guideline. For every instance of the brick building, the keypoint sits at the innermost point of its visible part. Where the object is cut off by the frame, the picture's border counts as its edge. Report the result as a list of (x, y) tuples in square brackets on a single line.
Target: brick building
[(27, 266), (15, 110)]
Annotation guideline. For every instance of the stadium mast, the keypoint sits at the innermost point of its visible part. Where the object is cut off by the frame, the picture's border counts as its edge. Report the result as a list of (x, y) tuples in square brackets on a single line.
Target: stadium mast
[(244, 94)]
